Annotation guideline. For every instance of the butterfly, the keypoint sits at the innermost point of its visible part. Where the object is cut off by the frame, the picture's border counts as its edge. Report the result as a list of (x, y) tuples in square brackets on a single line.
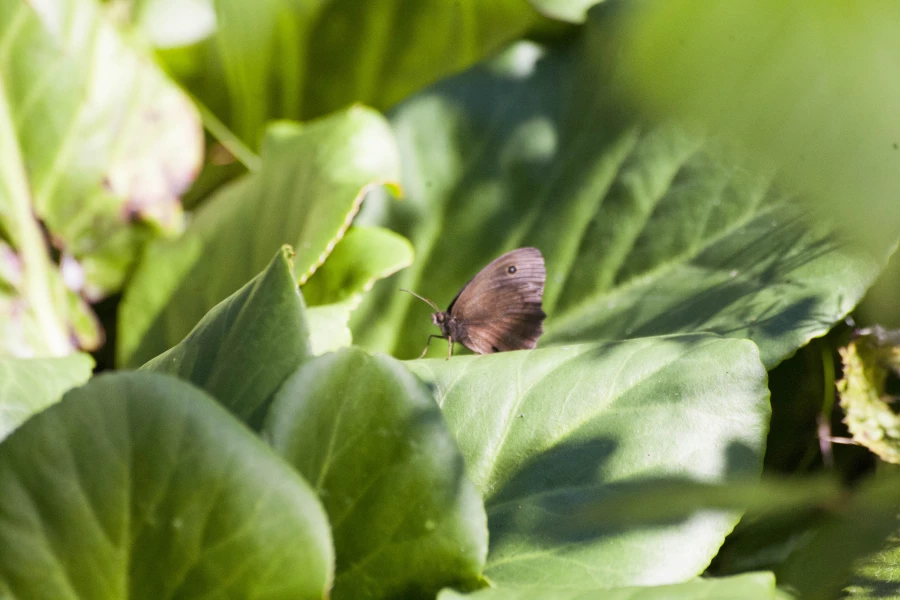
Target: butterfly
[(499, 309)]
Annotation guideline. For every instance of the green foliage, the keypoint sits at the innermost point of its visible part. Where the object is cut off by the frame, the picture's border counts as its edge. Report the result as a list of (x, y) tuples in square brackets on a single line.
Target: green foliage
[(96, 146), (646, 228), (297, 60), (137, 485), (560, 427), (245, 347), (406, 519), (265, 449), (311, 184)]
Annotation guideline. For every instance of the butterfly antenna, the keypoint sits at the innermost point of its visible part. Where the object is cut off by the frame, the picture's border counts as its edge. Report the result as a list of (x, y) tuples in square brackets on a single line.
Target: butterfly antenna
[(425, 300)]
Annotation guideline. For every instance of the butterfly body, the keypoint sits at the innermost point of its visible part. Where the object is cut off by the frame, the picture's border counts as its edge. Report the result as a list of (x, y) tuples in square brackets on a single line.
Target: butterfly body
[(500, 308)]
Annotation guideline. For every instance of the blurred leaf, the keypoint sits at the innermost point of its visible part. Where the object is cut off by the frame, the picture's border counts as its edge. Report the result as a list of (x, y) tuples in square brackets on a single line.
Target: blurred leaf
[(574, 11), (862, 525), (31, 385), (549, 432), (299, 60), (139, 486), (868, 410), (246, 346), (646, 229), (312, 181), (751, 586), (106, 141), (369, 437), (810, 87)]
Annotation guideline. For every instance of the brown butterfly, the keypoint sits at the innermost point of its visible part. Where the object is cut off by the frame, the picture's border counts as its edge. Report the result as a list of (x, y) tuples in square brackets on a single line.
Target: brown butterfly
[(499, 309)]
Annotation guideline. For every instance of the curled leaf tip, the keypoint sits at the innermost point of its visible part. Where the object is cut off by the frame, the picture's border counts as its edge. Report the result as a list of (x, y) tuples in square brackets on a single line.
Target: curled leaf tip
[(868, 408)]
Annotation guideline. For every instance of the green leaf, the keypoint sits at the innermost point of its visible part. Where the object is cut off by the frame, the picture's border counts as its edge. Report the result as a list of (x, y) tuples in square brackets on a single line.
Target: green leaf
[(298, 60), (875, 576), (246, 346), (705, 62), (370, 439), (97, 143), (548, 432), (362, 257), (30, 385), (864, 524), (752, 586), (646, 228), (311, 184), (140, 486)]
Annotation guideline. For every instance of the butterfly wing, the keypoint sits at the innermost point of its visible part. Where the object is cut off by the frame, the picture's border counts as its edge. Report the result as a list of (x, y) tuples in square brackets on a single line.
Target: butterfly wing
[(500, 308)]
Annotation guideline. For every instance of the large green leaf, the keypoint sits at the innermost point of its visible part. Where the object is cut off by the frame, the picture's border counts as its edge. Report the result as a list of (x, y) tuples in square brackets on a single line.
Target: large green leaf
[(312, 181), (646, 228), (369, 437), (140, 486), (549, 432), (753, 586), (246, 346), (96, 145), (301, 59), (29, 385)]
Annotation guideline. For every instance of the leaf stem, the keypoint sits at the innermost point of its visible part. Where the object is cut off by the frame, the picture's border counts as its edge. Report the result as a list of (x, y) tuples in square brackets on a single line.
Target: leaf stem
[(26, 237), (225, 136)]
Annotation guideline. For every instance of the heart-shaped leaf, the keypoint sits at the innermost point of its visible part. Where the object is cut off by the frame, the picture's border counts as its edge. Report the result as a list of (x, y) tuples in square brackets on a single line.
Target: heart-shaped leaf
[(246, 346), (138, 485), (312, 181), (646, 229), (548, 432), (371, 440), (32, 384)]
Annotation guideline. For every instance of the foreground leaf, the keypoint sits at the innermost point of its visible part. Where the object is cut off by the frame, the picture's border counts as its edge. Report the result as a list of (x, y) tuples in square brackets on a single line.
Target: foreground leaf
[(704, 60), (370, 439), (548, 432), (312, 181), (28, 386), (863, 524), (752, 586), (139, 486), (244, 348), (646, 228)]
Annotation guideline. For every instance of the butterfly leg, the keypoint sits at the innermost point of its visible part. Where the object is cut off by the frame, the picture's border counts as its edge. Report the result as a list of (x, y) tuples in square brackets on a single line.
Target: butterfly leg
[(428, 343), (449, 347)]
